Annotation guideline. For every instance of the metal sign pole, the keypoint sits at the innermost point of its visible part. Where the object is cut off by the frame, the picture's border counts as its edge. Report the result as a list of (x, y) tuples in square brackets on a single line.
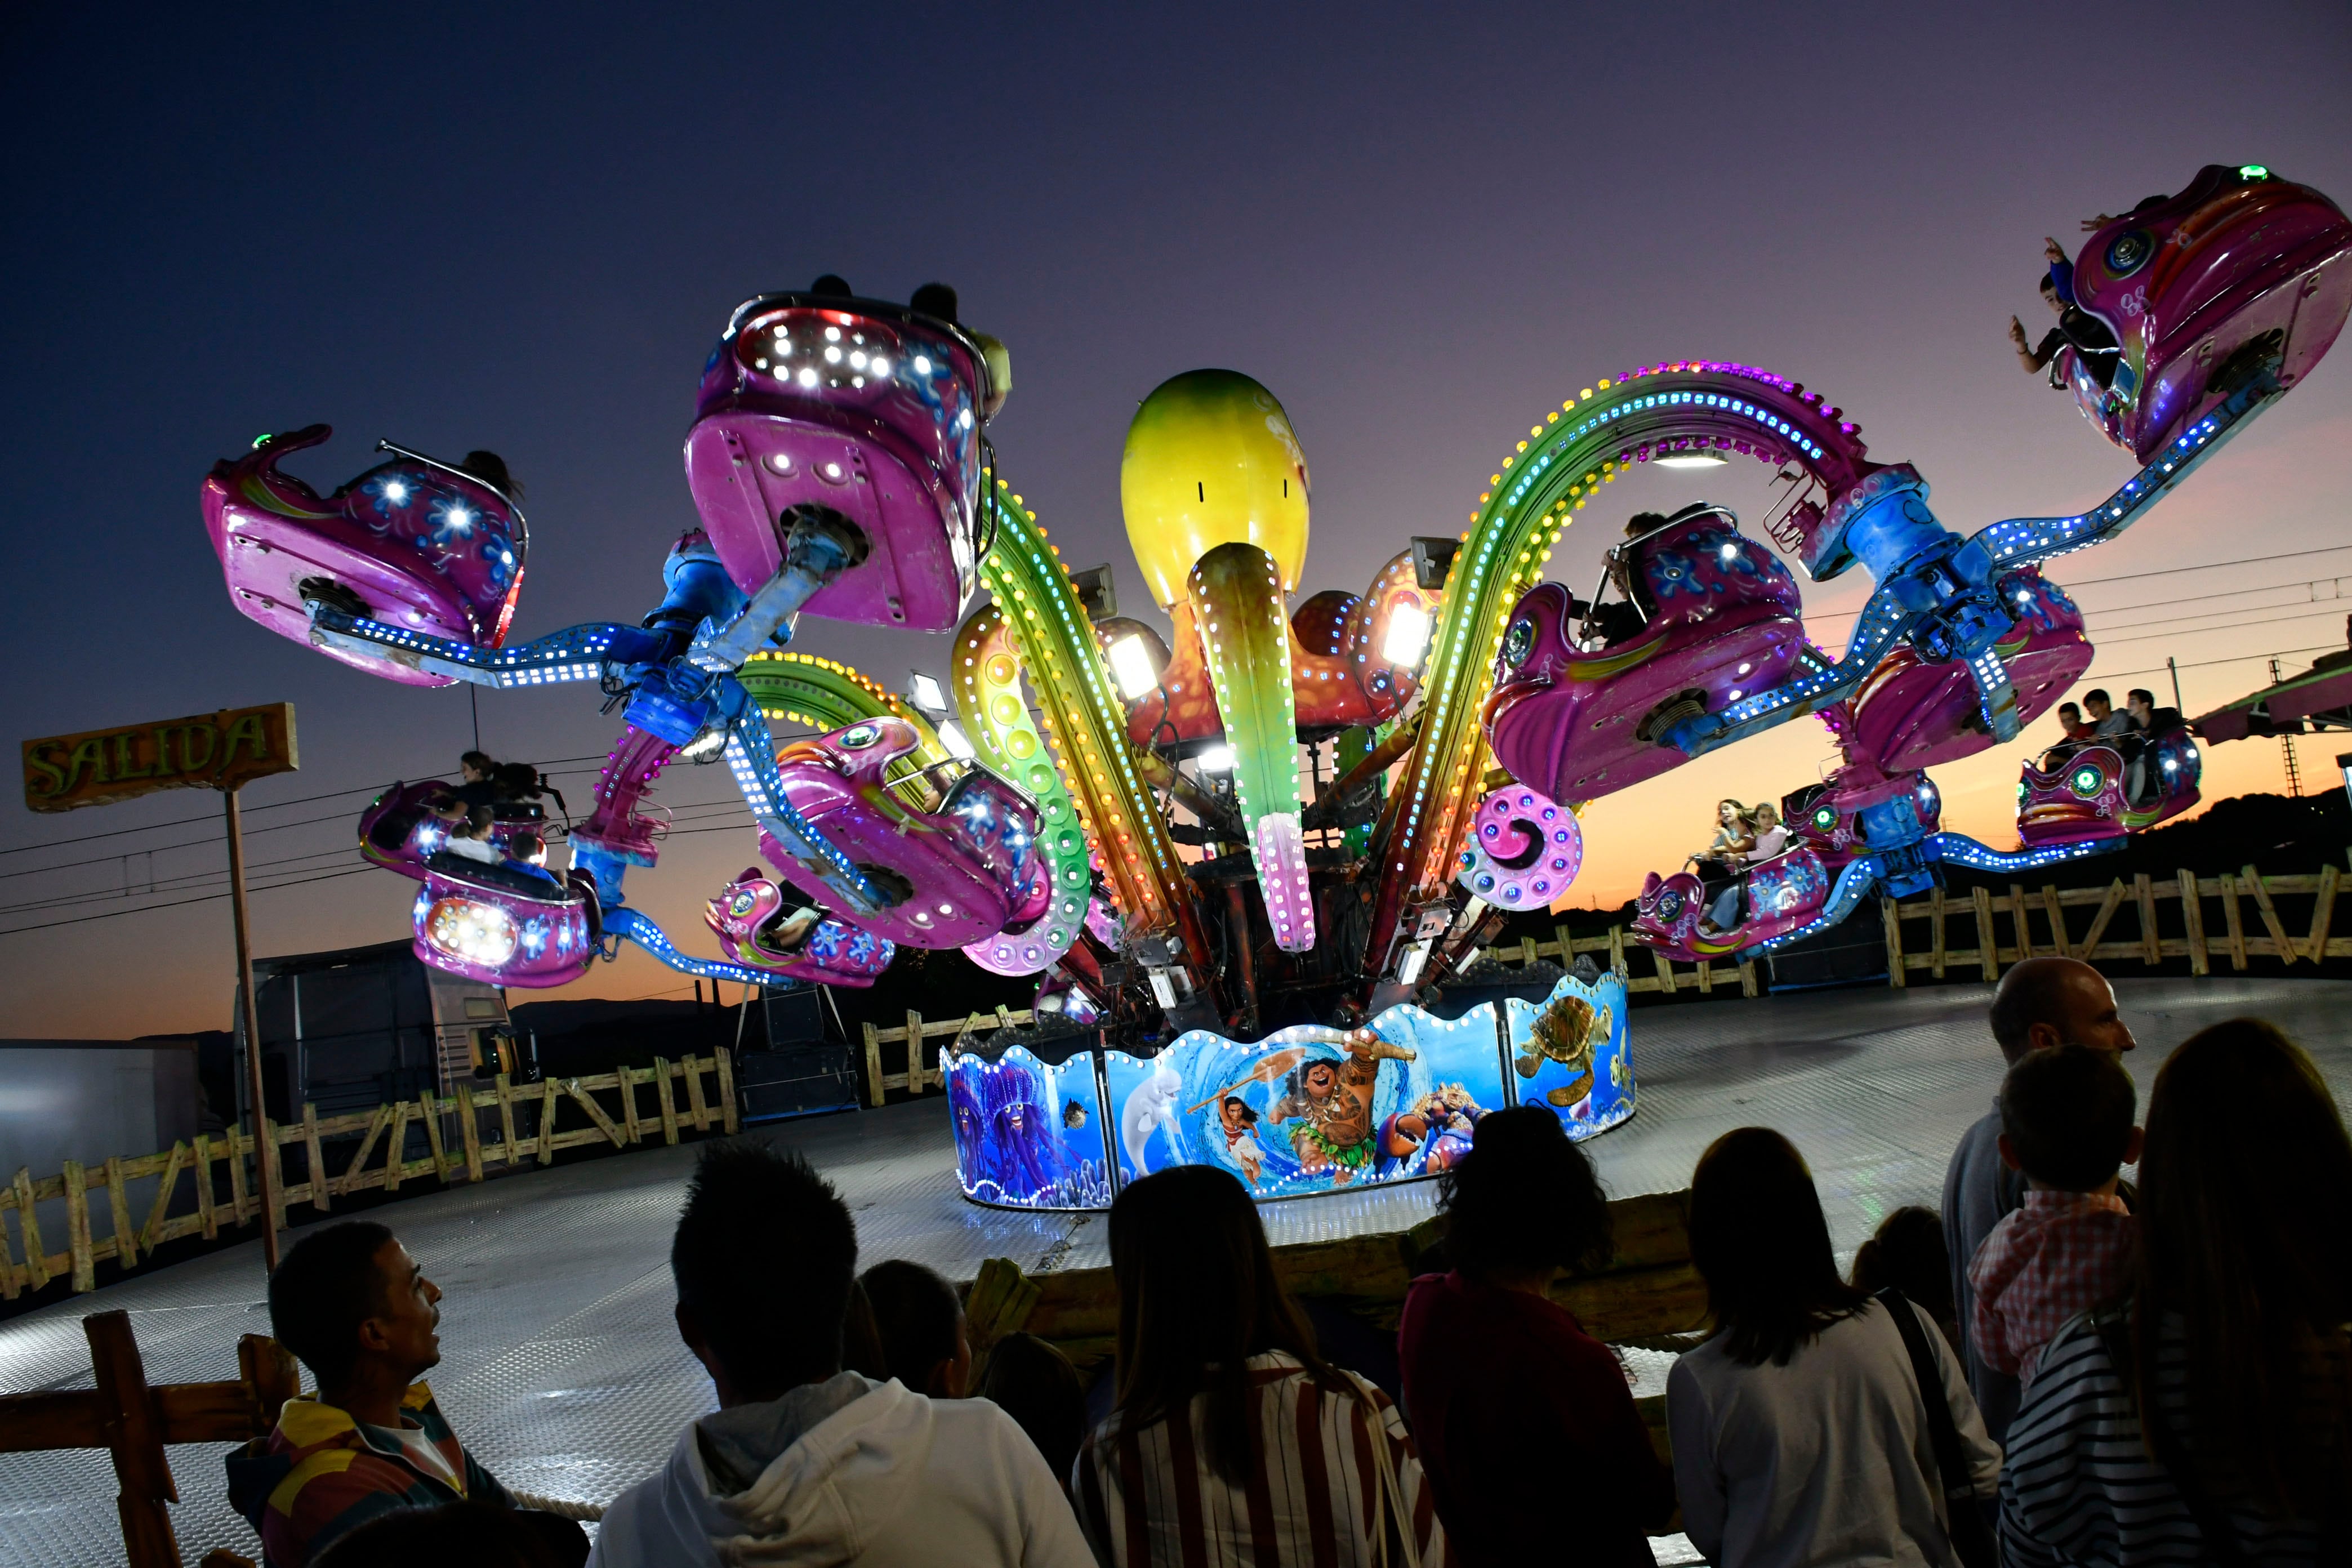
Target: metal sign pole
[(265, 1166)]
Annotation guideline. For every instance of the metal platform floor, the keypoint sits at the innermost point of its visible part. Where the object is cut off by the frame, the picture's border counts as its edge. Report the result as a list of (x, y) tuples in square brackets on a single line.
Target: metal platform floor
[(565, 1376)]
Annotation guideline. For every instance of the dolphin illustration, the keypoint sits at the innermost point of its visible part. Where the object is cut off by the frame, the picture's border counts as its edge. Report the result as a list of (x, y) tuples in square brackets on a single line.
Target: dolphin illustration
[(1152, 1104)]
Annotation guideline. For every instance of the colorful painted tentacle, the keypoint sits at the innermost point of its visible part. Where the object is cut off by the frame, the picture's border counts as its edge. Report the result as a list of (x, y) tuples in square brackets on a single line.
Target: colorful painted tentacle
[(1556, 472), (1087, 726), (824, 694), (1236, 595), (988, 697)]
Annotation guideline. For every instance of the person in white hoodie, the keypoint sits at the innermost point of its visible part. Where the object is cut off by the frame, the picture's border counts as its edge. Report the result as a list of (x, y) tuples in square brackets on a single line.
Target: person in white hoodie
[(804, 1463)]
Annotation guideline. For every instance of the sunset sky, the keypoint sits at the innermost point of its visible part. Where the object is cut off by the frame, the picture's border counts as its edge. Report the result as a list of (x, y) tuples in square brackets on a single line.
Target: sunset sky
[(521, 228)]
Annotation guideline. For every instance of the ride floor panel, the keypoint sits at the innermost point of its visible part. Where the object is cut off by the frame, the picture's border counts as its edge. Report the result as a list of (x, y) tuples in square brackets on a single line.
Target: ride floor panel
[(565, 1373)]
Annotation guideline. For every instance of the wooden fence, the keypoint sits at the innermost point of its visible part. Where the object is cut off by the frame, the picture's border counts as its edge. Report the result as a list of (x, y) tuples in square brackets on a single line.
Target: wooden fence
[(2250, 925), (455, 1143)]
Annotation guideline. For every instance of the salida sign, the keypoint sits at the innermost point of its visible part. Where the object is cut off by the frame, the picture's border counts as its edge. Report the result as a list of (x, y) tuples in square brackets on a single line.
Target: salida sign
[(208, 750)]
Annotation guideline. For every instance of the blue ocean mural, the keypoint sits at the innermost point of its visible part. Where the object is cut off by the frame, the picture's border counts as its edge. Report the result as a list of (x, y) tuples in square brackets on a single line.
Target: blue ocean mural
[(1307, 1110), (1029, 1135)]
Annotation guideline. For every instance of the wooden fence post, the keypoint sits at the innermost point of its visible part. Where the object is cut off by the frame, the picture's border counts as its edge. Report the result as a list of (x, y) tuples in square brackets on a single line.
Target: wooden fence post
[(2322, 914), (1888, 913), (914, 1052), (700, 1107), (377, 1124), (466, 1128), (2021, 921), (2060, 944), (874, 1065), (78, 1247), (203, 1187), (1748, 977), (395, 1146), (316, 1155), (1666, 967), (1987, 937), (628, 1077), (118, 1203), (506, 1121), (2192, 919), (549, 1090), (1935, 951), (730, 1116), (662, 1097), (1617, 952), (237, 1146), (135, 1439), (2233, 922), (37, 1253), (2144, 891)]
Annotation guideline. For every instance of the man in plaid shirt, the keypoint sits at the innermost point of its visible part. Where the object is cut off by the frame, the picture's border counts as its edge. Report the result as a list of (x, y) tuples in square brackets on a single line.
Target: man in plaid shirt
[(2066, 1124)]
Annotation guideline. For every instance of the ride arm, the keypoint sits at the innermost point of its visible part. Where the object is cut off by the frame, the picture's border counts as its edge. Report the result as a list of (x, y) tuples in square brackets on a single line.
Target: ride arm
[(636, 926), (2022, 540), (587, 652)]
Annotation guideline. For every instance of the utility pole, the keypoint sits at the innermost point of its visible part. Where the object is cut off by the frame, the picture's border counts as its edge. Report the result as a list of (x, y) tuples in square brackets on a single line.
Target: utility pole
[(2173, 667), (265, 1164), (2286, 744)]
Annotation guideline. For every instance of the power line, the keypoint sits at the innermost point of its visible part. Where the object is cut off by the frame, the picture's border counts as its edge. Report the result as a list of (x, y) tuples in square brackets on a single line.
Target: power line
[(186, 821), (170, 884), (200, 898)]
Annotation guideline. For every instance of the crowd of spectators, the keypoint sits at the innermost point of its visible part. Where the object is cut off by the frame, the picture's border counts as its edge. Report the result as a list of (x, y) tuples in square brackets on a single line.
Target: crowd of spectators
[(2062, 1367)]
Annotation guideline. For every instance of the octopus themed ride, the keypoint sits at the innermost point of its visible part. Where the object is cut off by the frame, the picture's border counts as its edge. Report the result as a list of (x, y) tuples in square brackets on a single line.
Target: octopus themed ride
[(1243, 843)]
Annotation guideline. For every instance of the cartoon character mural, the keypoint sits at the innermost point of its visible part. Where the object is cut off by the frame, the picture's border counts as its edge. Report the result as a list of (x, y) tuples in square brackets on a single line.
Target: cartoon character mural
[(1311, 1109)]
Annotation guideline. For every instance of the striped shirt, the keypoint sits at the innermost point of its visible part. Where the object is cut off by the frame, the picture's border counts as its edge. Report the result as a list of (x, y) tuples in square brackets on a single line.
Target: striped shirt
[(2046, 1263), (2080, 1488), (1148, 1498)]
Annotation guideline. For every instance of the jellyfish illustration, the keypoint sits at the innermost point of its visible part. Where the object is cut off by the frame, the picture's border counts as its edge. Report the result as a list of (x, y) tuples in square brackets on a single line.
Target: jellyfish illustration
[(1025, 1147)]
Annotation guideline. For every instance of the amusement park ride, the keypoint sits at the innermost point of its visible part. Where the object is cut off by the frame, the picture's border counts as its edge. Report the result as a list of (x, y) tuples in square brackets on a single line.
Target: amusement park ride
[(1126, 821)]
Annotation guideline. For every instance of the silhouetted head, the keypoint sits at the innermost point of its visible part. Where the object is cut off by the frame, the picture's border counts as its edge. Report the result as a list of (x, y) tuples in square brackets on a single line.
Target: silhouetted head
[(491, 470), (349, 1293), (831, 286), (1524, 1199), (921, 1327), (937, 300), (764, 1256), (2066, 1117), (1759, 1241), (2046, 1002)]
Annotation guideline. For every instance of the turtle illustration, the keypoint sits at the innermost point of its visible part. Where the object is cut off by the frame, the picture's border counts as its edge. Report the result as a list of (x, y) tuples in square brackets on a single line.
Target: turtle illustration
[(1568, 1032)]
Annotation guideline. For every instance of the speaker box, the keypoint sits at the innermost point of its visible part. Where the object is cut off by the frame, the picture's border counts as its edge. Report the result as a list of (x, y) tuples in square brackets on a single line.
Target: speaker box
[(1852, 952)]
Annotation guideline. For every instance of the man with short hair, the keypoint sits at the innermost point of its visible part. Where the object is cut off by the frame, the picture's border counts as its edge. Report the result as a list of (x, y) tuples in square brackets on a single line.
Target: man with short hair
[(803, 1461), (2104, 720), (356, 1308), (2039, 1002)]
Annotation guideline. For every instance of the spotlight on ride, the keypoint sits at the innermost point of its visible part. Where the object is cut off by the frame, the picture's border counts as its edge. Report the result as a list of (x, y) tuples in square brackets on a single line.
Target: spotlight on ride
[(1408, 638), (1216, 760), (1691, 458), (1130, 661), (952, 737)]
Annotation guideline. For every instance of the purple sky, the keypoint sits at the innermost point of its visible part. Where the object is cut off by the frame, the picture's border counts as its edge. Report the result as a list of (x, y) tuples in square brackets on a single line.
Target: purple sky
[(521, 228)]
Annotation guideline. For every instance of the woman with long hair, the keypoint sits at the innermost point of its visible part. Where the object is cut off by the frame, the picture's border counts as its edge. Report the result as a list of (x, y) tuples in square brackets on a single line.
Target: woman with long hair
[(2211, 1419), (1232, 1439), (1802, 1432), (1495, 1370)]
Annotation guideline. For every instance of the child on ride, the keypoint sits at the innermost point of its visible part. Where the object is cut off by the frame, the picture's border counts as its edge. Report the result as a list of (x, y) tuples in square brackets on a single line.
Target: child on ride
[(1624, 618), (469, 839), (2092, 343), (1770, 837)]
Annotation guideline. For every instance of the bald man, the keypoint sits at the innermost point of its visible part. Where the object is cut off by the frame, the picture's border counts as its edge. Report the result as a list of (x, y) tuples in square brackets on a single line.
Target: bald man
[(2043, 1002)]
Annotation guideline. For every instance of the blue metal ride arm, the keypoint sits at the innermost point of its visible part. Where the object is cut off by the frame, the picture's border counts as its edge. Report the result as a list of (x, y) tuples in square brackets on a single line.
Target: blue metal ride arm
[(2024, 539), (1959, 850), (576, 653), (751, 753), (1933, 599), (636, 926)]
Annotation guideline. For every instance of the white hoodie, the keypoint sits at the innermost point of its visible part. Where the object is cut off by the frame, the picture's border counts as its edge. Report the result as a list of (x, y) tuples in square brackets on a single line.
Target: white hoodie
[(884, 1479)]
